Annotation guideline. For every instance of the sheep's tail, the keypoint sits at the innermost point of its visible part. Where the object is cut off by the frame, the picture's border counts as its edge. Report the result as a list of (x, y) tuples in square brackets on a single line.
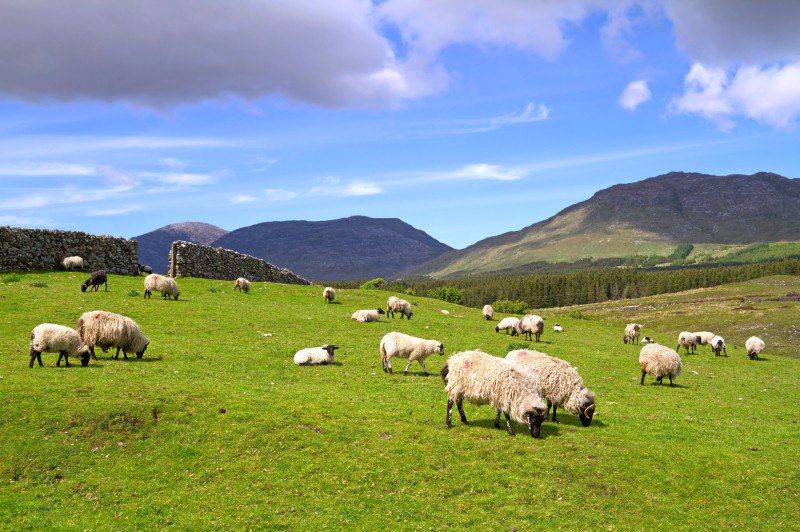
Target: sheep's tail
[(445, 372), (79, 327), (383, 352)]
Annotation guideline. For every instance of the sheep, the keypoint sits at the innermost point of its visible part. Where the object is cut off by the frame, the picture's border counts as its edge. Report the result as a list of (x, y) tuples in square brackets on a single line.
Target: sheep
[(395, 344), (704, 337), (559, 384), (402, 306), (313, 356), (488, 312), (558, 328), (530, 325), (73, 263), (687, 340), (144, 268), (95, 280), (506, 323), (632, 331), (754, 346), (102, 329), (483, 379), (329, 294), (51, 338), (242, 284), (718, 344), (659, 361), (366, 316), (647, 340), (166, 285)]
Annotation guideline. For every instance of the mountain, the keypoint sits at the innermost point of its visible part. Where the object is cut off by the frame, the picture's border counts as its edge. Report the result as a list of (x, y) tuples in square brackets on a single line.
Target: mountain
[(646, 217), (357, 247), (154, 246)]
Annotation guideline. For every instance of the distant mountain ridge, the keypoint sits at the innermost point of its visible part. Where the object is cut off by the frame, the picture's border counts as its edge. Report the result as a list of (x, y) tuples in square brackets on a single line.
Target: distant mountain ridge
[(154, 246)]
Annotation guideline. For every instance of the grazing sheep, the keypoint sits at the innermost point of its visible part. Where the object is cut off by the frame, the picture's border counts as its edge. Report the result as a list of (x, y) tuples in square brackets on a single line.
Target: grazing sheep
[(242, 284), (73, 263), (647, 340), (704, 337), (632, 331), (488, 312), (718, 344), (754, 346), (102, 329), (95, 280), (507, 323), (687, 340), (482, 379), (366, 316), (402, 306), (51, 338), (558, 328), (314, 356), (659, 361), (530, 325), (559, 384), (144, 268), (395, 344), (158, 283), (329, 294)]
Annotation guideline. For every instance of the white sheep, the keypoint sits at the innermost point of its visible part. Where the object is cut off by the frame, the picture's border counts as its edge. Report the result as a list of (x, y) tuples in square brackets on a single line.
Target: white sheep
[(159, 283), (313, 356), (531, 326), (704, 337), (632, 332), (483, 379), (718, 344), (647, 340), (242, 284), (366, 316), (687, 340), (558, 328), (402, 306), (395, 344), (102, 329), (51, 338), (507, 324), (659, 361), (559, 383), (488, 312), (73, 263), (754, 346), (329, 294)]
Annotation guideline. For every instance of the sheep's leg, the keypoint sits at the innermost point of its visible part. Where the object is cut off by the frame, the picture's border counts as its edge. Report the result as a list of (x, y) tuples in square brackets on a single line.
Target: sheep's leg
[(508, 424), (538, 335), (60, 356), (670, 381), (39, 358), (66, 359), (643, 374), (389, 365), (497, 419), (422, 363), (554, 414), (125, 355), (106, 290), (659, 379), (460, 406), (116, 355), (91, 352), (405, 371), (547, 414), (449, 413), (34, 354)]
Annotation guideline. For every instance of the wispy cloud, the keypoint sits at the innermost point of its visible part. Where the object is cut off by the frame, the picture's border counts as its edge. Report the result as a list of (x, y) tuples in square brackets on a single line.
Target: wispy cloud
[(242, 198), (334, 186), (24, 221), (31, 146), (60, 196), (114, 212), (181, 179), (279, 194), (45, 169), (532, 112)]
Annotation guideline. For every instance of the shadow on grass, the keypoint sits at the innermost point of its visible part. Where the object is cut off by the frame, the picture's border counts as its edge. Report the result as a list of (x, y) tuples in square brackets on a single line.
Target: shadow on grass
[(665, 385), (137, 360), (548, 429)]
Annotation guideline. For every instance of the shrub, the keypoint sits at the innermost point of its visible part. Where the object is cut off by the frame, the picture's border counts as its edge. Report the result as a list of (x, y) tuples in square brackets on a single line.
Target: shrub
[(578, 315), (134, 293), (374, 284), (13, 278), (39, 284), (451, 294), (410, 292), (517, 345), (507, 306)]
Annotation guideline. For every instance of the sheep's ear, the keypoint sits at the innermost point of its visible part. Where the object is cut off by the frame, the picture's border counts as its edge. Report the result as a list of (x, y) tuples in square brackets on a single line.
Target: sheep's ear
[(325, 346), (589, 412), (334, 347)]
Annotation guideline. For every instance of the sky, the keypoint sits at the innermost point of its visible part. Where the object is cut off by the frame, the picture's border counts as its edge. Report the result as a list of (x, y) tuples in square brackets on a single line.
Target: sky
[(464, 118)]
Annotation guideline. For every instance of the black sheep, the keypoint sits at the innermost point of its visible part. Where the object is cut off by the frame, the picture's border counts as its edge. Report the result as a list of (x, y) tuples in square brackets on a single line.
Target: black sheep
[(144, 268), (95, 280)]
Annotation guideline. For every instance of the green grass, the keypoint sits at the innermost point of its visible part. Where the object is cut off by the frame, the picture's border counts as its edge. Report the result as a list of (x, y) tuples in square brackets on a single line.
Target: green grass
[(142, 444)]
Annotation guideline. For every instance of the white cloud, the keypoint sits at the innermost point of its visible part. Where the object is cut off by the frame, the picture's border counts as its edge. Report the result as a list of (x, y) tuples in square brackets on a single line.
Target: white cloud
[(361, 189), (181, 179), (172, 162), (279, 194), (23, 221), (479, 171), (635, 94), (334, 186), (532, 112), (45, 169), (61, 196), (242, 198), (114, 212)]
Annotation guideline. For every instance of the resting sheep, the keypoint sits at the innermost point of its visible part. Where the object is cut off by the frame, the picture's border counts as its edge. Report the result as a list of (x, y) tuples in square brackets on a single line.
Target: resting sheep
[(506, 324), (51, 338), (402, 306), (95, 280), (632, 331), (718, 344), (687, 340), (98, 328), (659, 361), (488, 312), (329, 294), (559, 383), (314, 356), (395, 344), (242, 285), (73, 263), (158, 283), (482, 379), (366, 316), (530, 325), (558, 328), (647, 340), (144, 268), (754, 346)]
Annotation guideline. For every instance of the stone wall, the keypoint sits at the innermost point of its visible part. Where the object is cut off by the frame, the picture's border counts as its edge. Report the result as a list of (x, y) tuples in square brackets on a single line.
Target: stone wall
[(43, 249), (193, 260)]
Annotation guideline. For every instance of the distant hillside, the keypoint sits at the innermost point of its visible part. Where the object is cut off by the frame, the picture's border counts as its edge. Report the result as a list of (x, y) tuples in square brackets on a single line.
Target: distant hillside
[(154, 246), (357, 247), (647, 217)]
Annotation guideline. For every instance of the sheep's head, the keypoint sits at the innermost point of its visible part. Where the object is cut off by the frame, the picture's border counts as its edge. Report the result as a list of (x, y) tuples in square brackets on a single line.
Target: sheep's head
[(497, 328), (409, 314), (84, 286), (535, 414), (330, 348), (140, 354), (380, 310), (84, 354), (177, 294), (440, 347), (625, 339)]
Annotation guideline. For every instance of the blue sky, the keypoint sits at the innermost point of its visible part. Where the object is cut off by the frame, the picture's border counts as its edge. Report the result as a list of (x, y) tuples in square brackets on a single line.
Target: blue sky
[(465, 119)]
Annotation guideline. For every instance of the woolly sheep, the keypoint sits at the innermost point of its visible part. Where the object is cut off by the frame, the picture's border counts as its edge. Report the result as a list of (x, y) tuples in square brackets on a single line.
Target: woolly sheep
[(704, 337), (559, 383), (718, 344), (144, 268), (73, 263), (102, 329), (754, 346), (687, 340), (313, 356), (366, 316), (647, 340), (531, 326), (242, 284), (659, 361), (488, 312), (482, 379), (506, 323), (95, 280), (395, 344), (51, 338), (402, 306), (632, 331), (558, 328), (329, 294), (158, 283)]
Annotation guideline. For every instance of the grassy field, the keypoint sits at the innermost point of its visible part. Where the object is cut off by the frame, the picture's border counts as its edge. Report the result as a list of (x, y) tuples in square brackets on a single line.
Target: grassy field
[(215, 427)]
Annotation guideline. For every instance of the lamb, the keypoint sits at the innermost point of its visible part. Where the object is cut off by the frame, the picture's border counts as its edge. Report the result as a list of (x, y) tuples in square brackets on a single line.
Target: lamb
[(73, 263), (659, 361), (483, 379), (329, 294), (158, 283), (144, 268), (704, 337), (488, 312), (102, 329), (531, 326), (313, 356), (647, 340), (242, 284), (95, 280), (632, 331), (559, 384), (687, 340), (558, 328), (366, 316), (395, 344), (506, 323), (402, 306), (51, 338), (718, 344), (754, 346)]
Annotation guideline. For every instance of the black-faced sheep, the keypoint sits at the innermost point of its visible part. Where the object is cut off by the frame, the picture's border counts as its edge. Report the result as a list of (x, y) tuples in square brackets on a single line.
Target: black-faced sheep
[(242, 284), (659, 361), (95, 280), (632, 331), (313, 356), (51, 338), (718, 345), (366, 316), (488, 312), (329, 294), (530, 326), (102, 329), (395, 344), (158, 283), (687, 340), (144, 268), (754, 346), (395, 304), (506, 324)]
